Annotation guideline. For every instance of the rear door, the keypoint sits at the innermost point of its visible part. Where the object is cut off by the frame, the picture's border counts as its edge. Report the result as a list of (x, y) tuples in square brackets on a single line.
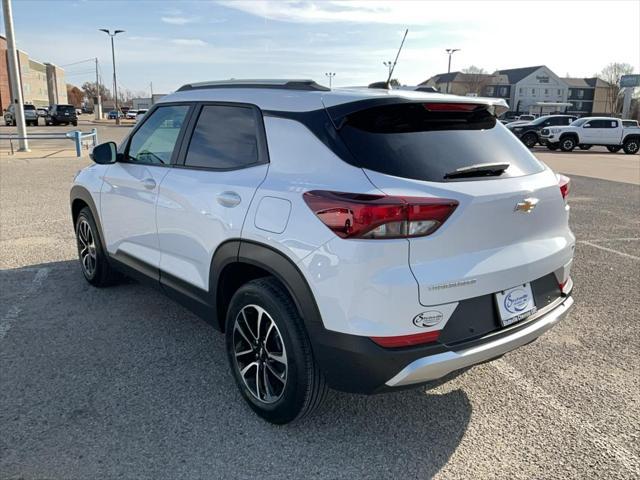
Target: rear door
[(204, 199), (490, 242), (611, 132)]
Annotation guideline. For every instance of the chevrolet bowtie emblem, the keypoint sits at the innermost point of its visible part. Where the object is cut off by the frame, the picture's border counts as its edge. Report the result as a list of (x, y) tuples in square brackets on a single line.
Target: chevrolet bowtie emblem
[(527, 205)]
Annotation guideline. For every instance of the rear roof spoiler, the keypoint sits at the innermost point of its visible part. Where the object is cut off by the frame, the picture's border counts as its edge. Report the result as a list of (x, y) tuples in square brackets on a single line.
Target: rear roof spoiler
[(338, 113)]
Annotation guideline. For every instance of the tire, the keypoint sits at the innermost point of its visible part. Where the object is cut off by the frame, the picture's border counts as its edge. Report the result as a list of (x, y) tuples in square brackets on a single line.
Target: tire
[(552, 146), (530, 140), (91, 253), (584, 147), (280, 336), (567, 144), (75, 124), (631, 146), (614, 148)]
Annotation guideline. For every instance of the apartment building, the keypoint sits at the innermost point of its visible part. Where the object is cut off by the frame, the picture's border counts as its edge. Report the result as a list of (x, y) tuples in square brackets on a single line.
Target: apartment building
[(534, 89), (43, 84), (588, 96)]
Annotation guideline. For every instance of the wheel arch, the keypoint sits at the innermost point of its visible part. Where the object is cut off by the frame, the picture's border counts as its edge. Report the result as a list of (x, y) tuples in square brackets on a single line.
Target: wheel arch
[(631, 136), (570, 134), (236, 262), (80, 197)]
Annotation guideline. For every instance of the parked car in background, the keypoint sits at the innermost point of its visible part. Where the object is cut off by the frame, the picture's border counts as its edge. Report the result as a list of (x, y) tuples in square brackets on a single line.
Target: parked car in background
[(114, 114), (78, 111), (42, 111), (329, 256), (630, 124), (131, 114), (588, 131), (140, 113), (529, 132), (526, 117), (30, 115), (61, 115)]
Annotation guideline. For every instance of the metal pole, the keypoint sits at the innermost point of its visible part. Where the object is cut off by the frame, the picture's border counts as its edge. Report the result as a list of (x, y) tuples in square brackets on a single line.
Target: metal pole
[(77, 139), (450, 52), (98, 104), (449, 71), (14, 77), (115, 83)]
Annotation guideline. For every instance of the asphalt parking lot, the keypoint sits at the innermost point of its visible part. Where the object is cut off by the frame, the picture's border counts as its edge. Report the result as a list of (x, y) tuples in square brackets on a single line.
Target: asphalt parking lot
[(124, 383)]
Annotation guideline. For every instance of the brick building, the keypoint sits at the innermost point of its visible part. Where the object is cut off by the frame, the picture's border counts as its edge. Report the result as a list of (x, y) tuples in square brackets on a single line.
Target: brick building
[(43, 84)]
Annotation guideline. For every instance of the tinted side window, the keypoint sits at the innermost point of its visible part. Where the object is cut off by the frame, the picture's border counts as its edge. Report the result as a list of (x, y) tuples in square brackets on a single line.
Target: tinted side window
[(225, 137), (156, 139)]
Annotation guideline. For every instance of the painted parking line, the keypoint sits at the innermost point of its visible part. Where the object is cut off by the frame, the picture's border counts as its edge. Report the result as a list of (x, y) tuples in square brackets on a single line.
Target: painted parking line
[(15, 310), (607, 249), (603, 442)]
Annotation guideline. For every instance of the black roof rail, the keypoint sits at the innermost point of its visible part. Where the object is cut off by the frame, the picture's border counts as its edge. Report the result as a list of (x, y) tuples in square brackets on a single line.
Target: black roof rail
[(308, 85)]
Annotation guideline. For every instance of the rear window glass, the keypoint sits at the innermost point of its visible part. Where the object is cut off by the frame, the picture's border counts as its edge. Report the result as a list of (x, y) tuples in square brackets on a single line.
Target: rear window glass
[(65, 108), (29, 107), (412, 141)]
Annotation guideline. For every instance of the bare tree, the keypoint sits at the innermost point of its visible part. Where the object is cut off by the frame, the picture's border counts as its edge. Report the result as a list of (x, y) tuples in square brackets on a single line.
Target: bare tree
[(475, 79), (611, 74), (75, 96), (90, 91)]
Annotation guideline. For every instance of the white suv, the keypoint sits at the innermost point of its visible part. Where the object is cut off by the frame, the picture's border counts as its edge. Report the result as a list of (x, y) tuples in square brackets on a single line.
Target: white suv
[(359, 239)]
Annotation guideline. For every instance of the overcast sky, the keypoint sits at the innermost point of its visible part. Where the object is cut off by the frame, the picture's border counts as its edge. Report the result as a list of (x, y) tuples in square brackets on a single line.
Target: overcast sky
[(171, 43)]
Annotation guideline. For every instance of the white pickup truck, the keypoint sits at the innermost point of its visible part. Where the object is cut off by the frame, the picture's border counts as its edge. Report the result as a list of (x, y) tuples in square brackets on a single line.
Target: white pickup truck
[(588, 131)]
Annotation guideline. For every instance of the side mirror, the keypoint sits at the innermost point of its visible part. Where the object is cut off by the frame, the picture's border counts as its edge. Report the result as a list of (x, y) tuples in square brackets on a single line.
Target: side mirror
[(105, 153)]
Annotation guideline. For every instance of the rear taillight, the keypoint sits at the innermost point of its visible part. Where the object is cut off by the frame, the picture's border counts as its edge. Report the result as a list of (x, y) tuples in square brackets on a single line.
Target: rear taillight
[(407, 340), (564, 182), (353, 215)]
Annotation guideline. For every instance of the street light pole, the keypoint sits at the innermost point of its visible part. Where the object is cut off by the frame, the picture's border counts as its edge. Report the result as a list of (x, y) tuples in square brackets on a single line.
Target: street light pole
[(450, 52), (14, 78), (113, 58), (330, 75)]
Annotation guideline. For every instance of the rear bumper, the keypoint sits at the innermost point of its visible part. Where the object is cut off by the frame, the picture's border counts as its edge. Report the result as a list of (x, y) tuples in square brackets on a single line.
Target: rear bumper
[(441, 364), (355, 364)]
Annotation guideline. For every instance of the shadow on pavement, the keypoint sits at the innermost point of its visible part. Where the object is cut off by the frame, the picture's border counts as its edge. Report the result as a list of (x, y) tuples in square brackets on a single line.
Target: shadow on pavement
[(122, 382)]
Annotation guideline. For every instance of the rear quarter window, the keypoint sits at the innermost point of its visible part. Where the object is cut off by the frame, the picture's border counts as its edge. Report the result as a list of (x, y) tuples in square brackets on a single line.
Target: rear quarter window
[(410, 141)]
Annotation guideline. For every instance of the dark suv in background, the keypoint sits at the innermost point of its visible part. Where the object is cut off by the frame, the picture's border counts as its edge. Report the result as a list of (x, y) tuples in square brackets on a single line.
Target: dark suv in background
[(61, 114), (529, 133)]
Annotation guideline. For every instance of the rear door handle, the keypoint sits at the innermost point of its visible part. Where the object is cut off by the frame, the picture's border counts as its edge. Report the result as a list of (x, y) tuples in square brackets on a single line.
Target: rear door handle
[(229, 199), (149, 183)]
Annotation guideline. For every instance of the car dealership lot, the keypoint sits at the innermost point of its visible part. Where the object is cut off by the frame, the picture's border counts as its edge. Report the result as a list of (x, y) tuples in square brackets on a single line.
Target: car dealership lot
[(122, 382)]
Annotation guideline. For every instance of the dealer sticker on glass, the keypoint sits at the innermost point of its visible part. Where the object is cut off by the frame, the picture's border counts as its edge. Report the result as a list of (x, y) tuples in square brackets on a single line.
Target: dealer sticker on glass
[(515, 304)]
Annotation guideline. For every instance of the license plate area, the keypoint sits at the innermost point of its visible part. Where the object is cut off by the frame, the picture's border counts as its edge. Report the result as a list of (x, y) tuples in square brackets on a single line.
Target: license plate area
[(515, 304)]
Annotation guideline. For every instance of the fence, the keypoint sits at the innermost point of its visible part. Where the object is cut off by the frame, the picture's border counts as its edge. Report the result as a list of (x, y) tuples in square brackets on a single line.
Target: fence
[(76, 136)]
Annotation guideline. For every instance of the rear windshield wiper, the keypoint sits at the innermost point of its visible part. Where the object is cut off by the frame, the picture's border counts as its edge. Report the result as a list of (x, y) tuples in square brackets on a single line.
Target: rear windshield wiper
[(479, 170)]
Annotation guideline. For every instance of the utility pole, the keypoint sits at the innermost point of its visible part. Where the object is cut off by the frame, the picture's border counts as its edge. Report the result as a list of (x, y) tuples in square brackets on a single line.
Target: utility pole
[(97, 103), (14, 78), (450, 52), (151, 90), (113, 58), (330, 75)]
